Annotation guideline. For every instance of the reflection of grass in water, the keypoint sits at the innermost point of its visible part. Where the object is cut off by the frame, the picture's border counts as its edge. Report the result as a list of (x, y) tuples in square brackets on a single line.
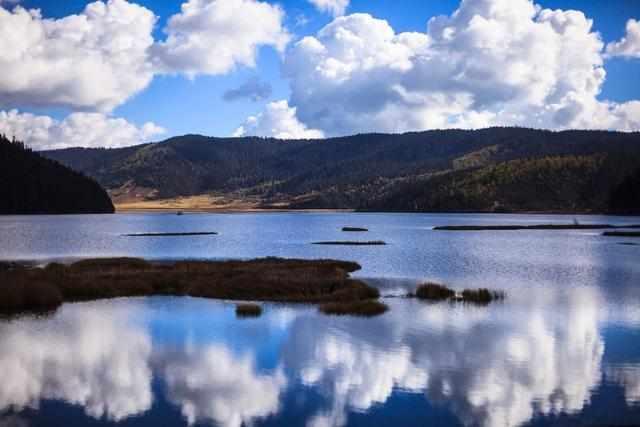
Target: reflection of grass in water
[(269, 279), (437, 292), (248, 310), (366, 308)]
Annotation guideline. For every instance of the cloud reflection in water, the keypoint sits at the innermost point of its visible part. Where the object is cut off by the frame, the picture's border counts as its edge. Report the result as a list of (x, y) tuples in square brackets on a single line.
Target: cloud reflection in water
[(492, 366)]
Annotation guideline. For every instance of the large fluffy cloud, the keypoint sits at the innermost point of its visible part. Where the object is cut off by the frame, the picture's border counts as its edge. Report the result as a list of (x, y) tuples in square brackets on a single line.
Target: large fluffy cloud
[(492, 62), (334, 7), (279, 121), (99, 58), (94, 60), (77, 130), (629, 45), (214, 36)]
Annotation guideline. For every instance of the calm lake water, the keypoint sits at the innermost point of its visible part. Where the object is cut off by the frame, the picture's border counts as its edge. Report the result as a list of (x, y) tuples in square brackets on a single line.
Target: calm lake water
[(562, 349)]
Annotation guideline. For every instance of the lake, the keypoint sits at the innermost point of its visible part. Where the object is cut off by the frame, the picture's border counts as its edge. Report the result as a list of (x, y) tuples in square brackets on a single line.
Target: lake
[(562, 349)]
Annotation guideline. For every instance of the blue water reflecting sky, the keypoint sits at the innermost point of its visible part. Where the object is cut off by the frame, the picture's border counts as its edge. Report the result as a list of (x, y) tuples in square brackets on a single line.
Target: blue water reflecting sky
[(541, 360), (561, 350)]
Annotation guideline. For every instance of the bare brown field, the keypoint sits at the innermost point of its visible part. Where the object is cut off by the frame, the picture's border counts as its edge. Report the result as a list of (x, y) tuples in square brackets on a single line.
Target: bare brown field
[(209, 203)]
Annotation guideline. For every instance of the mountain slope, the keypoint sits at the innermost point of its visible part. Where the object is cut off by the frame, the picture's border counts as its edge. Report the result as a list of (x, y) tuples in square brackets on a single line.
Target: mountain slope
[(32, 184), (377, 171)]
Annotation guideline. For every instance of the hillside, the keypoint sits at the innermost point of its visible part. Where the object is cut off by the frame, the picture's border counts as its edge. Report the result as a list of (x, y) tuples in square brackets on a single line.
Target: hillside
[(496, 169), (32, 184)]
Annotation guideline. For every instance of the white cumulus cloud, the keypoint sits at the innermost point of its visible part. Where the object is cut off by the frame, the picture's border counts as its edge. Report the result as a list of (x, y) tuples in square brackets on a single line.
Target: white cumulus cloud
[(334, 7), (98, 59), (215, 36), (629, 45), (76, 130), (279, 121), (492, 62), (93, 60)]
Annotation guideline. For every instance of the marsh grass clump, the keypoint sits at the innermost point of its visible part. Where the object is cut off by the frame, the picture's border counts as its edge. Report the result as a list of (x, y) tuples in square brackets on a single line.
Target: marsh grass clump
[(267, 279), (437, 292), (248, 310), (434, 292), (482, 296), (352, 243), (365, 308), (621, 233), (177, 234), (32, 296)]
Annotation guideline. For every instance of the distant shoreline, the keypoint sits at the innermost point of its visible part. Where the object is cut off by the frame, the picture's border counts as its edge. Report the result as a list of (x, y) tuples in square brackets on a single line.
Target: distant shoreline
[(224, 210), (171, 208)]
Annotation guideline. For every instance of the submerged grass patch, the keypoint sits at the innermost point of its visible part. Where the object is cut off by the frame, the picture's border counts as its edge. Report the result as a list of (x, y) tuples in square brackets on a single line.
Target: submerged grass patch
[(268, 279), (367, 308), (355, 229), (438, 292), (621, 233), (248, 310), (196, 233), (531, 227), (352, 243)]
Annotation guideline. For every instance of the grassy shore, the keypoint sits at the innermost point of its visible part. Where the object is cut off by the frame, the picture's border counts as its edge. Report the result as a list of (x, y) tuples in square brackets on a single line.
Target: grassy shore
[(269, 279)]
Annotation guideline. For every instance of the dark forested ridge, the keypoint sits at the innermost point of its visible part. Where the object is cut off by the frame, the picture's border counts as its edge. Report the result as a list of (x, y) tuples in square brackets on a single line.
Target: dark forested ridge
[(496, 169), (32, 184)]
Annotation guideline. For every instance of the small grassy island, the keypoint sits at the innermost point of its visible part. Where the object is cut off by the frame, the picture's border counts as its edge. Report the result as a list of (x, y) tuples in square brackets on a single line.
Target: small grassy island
[(352, 243), (533, 227), (437, 292), (24, 288), (621, 233), (196, 233), (248, 310), (362, 308)]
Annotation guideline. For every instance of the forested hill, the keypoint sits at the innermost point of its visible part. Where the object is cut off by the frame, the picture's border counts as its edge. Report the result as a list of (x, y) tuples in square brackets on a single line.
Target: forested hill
[(496, 169), (32, 184)]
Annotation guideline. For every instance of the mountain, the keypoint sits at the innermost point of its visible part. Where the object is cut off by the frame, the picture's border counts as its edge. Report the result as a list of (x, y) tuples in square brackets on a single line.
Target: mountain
[(32, 184), (495, 169)]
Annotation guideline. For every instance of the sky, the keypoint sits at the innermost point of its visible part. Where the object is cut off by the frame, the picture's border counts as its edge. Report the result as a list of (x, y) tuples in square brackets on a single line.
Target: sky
[(114, 73)]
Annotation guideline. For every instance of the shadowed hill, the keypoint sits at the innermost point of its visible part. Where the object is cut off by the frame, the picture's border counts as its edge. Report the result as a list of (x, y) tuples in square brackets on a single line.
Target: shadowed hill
[(485, 170), (32, 184)]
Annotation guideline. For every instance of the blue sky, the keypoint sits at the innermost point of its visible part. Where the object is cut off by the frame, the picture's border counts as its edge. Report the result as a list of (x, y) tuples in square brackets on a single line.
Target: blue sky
[(184, 104)]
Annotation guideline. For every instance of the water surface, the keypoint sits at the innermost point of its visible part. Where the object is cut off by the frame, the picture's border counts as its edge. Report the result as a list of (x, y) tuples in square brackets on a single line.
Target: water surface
[(562, 349)]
